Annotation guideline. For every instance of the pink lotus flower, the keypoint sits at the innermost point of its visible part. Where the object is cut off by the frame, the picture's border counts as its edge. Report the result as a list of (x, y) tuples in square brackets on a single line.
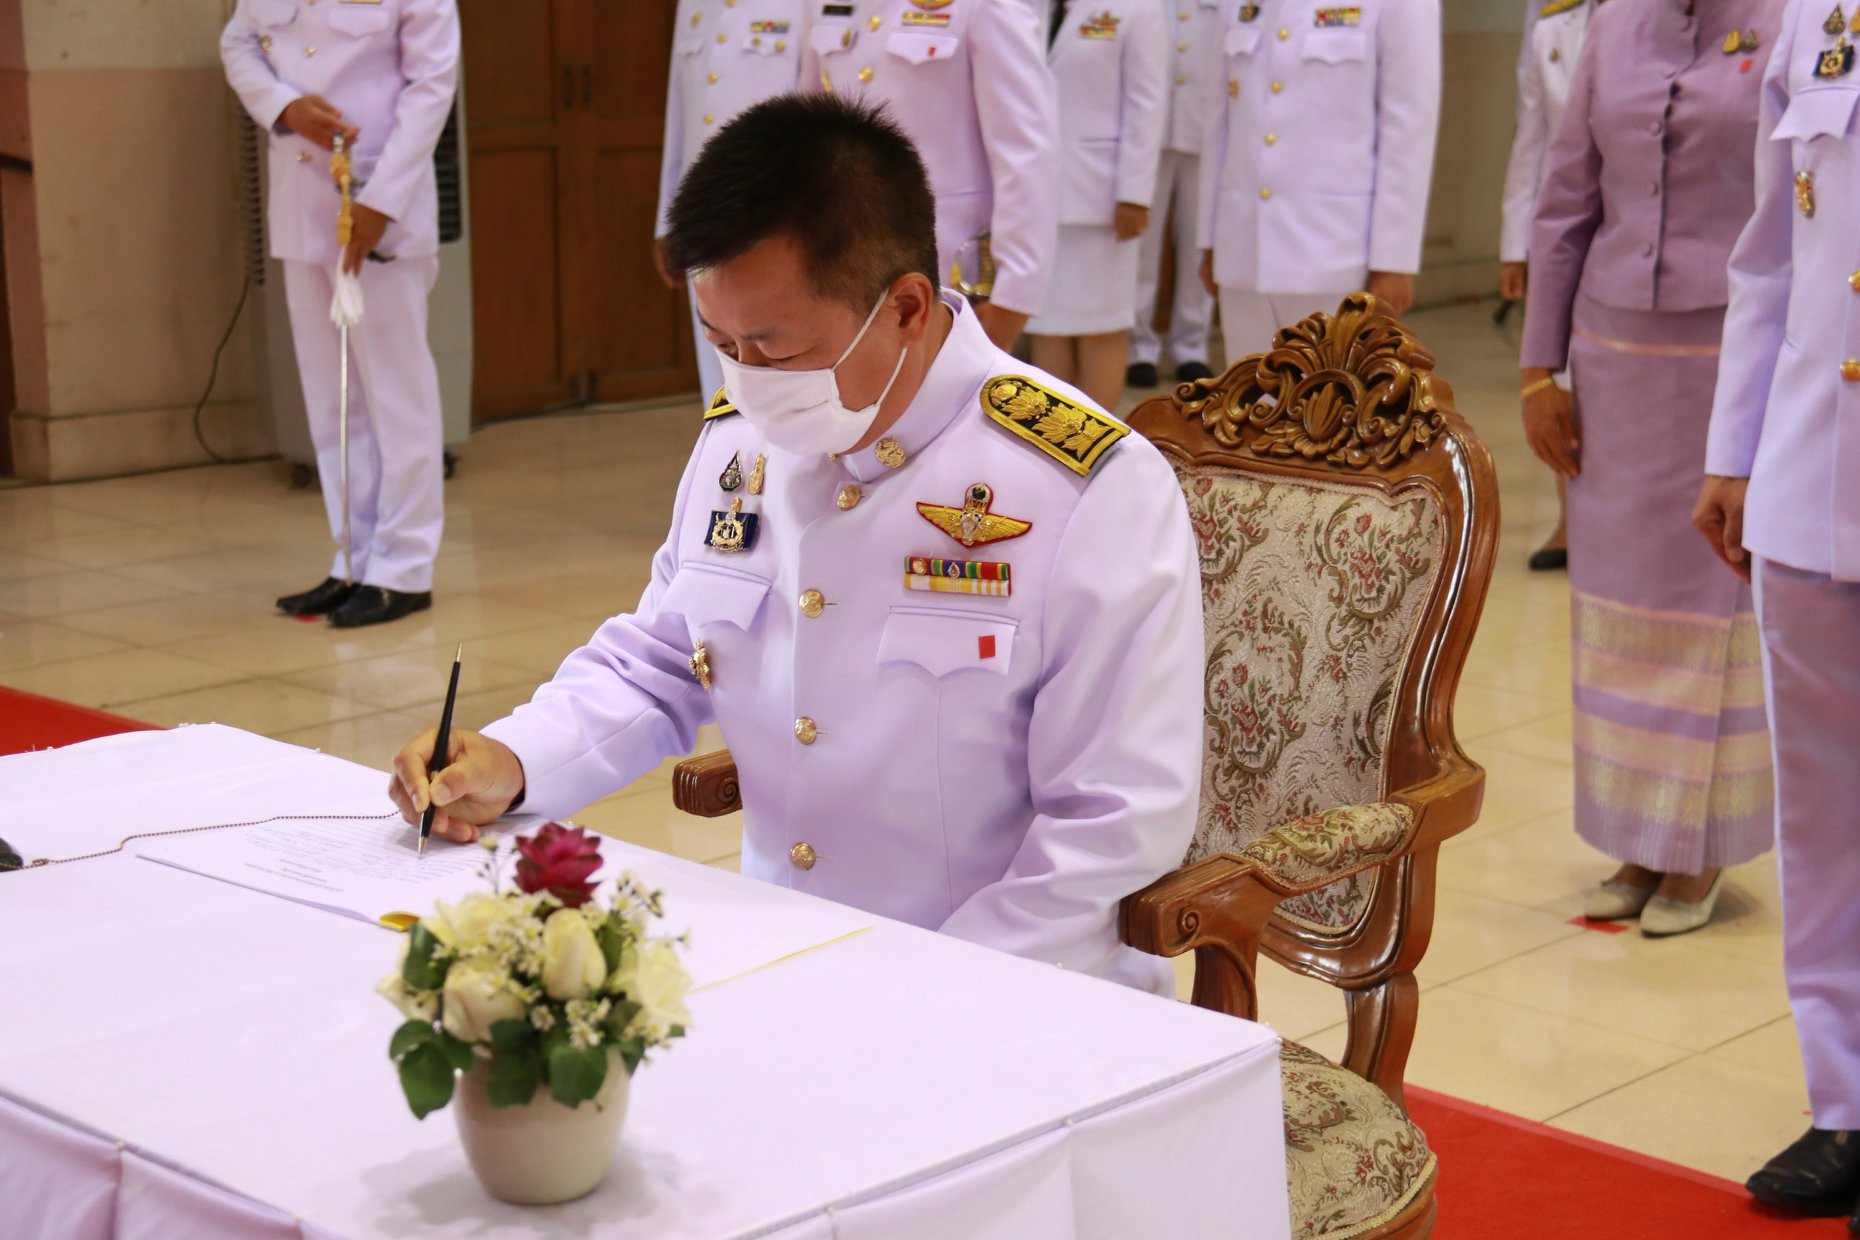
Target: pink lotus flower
[(560, 861)]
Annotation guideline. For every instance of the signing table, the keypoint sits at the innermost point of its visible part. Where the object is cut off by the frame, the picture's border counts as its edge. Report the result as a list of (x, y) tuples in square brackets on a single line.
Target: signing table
[(184, 1057)]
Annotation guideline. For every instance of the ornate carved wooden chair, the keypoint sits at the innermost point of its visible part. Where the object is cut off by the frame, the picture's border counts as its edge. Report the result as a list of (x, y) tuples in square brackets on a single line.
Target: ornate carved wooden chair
[(1347, 520)]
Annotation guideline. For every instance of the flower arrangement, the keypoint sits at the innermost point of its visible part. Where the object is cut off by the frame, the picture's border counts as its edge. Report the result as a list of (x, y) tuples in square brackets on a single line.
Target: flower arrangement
[(541, 982)]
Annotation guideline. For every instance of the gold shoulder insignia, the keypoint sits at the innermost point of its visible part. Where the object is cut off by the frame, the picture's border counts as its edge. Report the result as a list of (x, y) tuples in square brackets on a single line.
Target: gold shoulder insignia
[(1560, 6), (1073, 435), (720, 406)]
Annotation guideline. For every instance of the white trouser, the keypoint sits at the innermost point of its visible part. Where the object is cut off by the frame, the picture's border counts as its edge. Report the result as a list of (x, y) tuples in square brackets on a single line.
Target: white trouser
[(1811, 674), (710, 370), (1250, 319), (396, 434), (1178, 179)]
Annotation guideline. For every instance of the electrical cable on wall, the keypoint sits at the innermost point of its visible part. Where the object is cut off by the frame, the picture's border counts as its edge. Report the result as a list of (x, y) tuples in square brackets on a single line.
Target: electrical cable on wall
[(213, 374)]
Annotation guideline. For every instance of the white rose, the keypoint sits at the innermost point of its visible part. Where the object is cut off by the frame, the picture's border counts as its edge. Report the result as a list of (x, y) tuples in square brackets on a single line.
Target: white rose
[(465, 926), (413, 1004), (477, 996), (572, 964), (652, 975)]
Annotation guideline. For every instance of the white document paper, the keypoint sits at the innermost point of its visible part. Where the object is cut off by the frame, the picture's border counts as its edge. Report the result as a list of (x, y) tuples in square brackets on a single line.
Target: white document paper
[(360, 869)]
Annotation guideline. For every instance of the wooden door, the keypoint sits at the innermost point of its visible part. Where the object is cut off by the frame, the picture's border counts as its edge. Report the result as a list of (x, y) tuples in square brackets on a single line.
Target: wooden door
[(565, 105)]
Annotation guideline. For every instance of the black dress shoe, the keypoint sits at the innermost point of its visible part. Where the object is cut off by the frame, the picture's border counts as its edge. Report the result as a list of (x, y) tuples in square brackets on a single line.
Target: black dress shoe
[(1819, 1174), (1187, 372), (319, 600), (1549, 560), (378, 605), (1140, 374)]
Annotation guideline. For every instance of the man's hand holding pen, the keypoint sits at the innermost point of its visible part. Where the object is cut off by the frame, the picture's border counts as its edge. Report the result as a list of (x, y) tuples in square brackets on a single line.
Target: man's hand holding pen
[(479, 782)]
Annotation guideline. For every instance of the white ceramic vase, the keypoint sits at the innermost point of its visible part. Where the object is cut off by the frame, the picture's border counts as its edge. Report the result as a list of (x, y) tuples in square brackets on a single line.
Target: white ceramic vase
[(542, 1152)]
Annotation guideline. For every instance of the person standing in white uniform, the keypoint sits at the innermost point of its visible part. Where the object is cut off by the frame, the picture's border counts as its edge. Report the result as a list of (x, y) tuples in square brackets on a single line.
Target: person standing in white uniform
[(1195, 25), (726, 55), (968, 82), (1552, 39), (945, 610), (1316, 159), (381, 74), (1110, 68)]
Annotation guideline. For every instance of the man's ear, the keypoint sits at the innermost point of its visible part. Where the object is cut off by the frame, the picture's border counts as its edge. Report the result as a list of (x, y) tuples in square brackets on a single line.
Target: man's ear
[(916, 300)]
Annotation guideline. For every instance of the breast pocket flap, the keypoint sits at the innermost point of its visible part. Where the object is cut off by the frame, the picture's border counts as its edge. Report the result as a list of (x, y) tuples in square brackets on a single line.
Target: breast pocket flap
[(1241, 42), (1817, 114), (945, 642), (359, 23), (830, 37), (704, 594), (1335, 47), (920, 48)]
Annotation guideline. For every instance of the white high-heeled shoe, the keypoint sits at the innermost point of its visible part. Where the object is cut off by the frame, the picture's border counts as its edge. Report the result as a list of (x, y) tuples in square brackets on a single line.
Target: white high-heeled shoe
[(1618, 901), (1664, 917)]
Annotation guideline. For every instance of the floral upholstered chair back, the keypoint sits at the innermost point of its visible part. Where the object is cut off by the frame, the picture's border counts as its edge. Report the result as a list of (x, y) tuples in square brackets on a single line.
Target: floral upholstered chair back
[(1322, 484)]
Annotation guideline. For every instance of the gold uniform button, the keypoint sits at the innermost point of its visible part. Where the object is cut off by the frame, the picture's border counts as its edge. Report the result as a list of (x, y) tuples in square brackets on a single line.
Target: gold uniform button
[(1181, 15), (709, 119), (865, 74), (813, 602), (1271, 139), (309, 52), (755, 41), (696, 18), (801, 856), (781, 45), (723, 38), (849, 497), (826, 83), (1284, 34), (1181, 79), (1233, 88), (713, 79), (264, 43), (890, 453), (1277, 87), (805, 731), (1181, 47), (1850, 370), (1264, 194), (874, 22), (1853, 281)]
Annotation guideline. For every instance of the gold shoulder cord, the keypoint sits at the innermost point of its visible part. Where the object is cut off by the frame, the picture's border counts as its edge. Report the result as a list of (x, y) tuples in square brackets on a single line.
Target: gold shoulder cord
[(36, 862)]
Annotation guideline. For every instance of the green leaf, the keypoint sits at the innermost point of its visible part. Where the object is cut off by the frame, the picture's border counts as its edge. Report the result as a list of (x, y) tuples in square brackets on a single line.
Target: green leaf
[(555, 1038), (613, 941), (506, 1034), (458, 1053), (514, 1076), (576, 1073), (421, 970), (426, 1079), (413, 1033), (619, 1017), (676, 1031), (632, 1052)]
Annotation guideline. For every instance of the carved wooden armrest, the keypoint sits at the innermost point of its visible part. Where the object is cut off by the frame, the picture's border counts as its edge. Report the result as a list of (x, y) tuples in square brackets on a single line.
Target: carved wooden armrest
[(706, 785)]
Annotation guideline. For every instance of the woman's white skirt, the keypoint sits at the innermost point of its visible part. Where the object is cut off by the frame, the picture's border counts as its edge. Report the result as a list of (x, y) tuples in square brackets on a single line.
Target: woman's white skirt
[(1094, 284)]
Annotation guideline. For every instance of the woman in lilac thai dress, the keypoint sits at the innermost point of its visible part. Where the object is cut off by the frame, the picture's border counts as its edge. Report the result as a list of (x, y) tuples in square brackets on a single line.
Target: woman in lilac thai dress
[(1648, 183)]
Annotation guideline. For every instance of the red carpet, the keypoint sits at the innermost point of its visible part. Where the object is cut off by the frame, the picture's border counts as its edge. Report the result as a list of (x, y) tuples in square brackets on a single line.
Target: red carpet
[(1510, 1179), (28, 721)]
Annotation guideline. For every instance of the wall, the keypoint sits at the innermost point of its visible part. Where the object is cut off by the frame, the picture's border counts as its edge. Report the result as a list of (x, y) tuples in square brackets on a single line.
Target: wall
[(1477, 117), (124, 239)]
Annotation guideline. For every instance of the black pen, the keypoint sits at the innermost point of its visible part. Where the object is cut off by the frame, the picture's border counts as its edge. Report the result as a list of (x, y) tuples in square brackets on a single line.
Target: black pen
[(437, 762)]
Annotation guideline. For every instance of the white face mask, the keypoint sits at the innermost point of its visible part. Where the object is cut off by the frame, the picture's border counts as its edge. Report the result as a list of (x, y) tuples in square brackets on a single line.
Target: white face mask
[(800, 411)]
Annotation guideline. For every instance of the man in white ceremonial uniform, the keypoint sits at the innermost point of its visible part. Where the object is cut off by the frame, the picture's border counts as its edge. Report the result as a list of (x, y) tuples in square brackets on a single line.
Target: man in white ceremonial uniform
[(1110, 68), (381, 74), (1194, 26), (968, 81), (726, 55), (946, 612), (1552, 39), (1781, 505), (1316, 158)]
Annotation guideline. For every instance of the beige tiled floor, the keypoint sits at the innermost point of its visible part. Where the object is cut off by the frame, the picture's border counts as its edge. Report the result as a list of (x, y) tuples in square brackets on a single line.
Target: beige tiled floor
[(152, 597)]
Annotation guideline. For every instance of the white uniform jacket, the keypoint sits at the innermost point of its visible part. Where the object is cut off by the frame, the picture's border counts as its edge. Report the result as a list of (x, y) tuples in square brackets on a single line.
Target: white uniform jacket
[(726, 57), (1002, 766), (1318, 152), (1552, 43), (1111, 70), (391, 67), (1787, 410), (969, 84), (1194, 26)]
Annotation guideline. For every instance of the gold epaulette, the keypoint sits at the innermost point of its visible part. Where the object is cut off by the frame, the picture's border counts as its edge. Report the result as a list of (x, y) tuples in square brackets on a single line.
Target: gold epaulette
[(1560, 6), (1072, 434), (720, 406)]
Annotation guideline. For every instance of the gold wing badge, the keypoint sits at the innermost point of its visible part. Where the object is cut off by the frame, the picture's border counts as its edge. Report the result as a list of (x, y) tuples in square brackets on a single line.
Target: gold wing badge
[(1074, 435), (972, 524)]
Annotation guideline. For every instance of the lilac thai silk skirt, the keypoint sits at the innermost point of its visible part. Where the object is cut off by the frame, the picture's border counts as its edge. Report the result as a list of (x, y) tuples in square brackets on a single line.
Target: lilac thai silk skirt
[(1672, 747)]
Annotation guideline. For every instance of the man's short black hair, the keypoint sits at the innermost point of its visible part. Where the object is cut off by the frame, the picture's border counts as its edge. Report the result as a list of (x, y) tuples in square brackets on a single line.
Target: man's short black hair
[(840, 178)]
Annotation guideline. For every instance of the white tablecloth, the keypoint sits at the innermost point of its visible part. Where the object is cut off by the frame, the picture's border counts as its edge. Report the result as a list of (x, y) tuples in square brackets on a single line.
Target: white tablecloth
[(185, 1058)]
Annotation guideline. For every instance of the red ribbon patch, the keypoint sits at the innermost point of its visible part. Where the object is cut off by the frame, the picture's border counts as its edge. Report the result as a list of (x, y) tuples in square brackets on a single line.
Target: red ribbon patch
[(985, 646)]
